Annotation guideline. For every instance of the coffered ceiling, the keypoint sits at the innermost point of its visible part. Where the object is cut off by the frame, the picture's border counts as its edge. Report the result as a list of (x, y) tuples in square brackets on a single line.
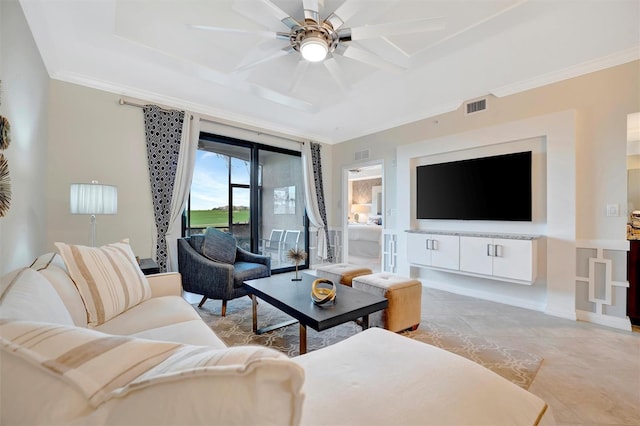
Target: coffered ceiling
[(151, 50)]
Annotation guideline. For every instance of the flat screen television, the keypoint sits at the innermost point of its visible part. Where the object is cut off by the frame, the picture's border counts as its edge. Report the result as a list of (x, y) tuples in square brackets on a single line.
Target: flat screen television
[(488, 188)]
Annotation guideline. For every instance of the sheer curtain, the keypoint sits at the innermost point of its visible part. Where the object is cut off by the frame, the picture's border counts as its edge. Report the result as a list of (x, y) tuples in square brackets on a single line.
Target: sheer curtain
[(314, 197), (182, 186)]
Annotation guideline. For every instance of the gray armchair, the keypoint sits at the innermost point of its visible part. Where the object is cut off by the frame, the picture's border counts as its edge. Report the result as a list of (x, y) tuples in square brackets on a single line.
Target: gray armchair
[(215, 267)]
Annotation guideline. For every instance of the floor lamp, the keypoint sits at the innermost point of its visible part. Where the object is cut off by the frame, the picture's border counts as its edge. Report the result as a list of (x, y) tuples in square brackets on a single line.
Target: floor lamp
[(93, 198)]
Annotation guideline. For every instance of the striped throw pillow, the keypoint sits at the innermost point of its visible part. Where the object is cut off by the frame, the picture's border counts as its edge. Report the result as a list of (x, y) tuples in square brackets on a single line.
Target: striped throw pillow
[(108, 278), (94, 363), (103, 366)]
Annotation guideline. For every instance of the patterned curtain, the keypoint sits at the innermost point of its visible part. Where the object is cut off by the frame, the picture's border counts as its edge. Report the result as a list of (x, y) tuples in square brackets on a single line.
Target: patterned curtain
[(163, 131), (317, 178)]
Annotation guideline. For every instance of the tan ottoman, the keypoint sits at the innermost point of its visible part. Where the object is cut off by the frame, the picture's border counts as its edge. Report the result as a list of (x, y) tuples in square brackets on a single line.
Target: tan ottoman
[(404, 296), (343, 273)]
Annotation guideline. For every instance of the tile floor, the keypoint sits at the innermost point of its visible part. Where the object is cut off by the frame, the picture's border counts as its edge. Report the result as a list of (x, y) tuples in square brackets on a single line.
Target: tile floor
[(590, 374)]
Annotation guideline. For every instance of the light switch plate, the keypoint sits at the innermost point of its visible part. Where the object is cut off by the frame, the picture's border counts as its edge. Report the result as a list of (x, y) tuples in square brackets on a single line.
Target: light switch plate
[(613, 210)]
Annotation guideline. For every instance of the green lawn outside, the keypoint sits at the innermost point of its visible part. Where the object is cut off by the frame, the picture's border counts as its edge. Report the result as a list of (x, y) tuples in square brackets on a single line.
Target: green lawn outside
[(216, 218)]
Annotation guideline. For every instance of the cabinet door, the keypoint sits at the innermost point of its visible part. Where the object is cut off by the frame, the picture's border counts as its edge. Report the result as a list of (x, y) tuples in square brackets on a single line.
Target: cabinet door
[(446, 251), (514, 259), (417, 252), (474, 255)]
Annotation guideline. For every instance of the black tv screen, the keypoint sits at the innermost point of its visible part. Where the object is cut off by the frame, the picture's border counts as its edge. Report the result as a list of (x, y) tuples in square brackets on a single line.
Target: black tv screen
[(488, 188)]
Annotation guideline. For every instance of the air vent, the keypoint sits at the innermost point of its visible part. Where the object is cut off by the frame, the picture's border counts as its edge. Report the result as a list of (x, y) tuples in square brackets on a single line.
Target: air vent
[(476, 106), (361, 155)]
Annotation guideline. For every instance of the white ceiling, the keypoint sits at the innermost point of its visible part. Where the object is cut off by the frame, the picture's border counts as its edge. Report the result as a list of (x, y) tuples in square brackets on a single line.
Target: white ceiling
[(146, 49)]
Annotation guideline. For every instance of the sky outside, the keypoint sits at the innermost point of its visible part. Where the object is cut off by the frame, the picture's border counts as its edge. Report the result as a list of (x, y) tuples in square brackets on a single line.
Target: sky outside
[(209, 187)]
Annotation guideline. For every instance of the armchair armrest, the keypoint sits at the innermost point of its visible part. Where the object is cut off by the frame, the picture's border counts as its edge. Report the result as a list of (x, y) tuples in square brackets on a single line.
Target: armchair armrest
[(246, 256), (165, 284)]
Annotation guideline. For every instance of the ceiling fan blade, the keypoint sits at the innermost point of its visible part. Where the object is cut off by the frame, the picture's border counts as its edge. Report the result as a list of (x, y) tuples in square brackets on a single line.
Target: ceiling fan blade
[(345, 12), (277, 54), (337, 73), (311, 10), (353, 52), (257, 9), (301, 68), (395, 28), (266, 34)]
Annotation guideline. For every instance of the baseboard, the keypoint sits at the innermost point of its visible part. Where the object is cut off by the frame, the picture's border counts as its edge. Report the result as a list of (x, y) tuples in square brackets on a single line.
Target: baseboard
[(607, 320)]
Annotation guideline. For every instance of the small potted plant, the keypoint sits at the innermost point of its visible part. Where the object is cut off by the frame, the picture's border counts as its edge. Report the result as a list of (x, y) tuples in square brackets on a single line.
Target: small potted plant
[(296, 255)]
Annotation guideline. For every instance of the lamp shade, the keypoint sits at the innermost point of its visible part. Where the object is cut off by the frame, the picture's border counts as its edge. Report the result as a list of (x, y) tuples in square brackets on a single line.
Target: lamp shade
[(93, 198)]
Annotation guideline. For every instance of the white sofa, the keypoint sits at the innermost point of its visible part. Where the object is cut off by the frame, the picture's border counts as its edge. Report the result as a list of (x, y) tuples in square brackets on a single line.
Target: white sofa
[(58, 370)]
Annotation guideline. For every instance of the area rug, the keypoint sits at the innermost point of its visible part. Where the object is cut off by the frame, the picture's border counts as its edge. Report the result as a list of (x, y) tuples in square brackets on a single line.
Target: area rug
[(236, 329)]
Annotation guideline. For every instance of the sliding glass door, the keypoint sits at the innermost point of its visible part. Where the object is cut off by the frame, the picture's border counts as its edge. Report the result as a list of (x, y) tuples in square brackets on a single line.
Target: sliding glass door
[(283, 225), (252, 191)]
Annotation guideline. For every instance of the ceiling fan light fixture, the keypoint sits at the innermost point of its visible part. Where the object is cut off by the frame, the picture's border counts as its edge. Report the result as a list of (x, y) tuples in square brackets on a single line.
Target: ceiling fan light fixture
[(314, 48)]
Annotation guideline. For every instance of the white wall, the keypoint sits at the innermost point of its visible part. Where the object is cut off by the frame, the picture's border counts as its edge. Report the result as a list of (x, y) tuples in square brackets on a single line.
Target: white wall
[(601, 100), (554, 218), (25, 85), (591, 153)]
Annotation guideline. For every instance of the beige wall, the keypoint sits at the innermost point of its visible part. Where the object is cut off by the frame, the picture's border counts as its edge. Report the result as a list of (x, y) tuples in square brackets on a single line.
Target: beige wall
[(92, 137), (601, 100), (24, 103)]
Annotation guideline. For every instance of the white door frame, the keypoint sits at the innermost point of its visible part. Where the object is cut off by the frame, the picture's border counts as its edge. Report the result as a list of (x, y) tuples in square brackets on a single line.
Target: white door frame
[(345, 204)]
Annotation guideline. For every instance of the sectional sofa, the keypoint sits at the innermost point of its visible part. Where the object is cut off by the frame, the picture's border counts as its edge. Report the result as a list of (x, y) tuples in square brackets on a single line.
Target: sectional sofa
[(87, 339)]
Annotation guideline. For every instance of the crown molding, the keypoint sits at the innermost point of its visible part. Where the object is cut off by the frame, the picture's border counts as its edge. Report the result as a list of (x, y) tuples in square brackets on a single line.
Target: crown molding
[(224, 117), (599, 64)]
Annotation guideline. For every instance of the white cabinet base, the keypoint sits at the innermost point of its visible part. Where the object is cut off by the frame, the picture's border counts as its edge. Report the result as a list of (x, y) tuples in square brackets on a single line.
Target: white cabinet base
[(501, 257)]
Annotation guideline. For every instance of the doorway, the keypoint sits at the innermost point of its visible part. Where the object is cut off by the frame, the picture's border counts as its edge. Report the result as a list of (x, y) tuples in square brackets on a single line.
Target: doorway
[(363, 197)]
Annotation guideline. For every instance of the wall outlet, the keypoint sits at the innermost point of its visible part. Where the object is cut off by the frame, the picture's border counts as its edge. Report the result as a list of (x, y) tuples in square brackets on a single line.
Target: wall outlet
[(613, 210)]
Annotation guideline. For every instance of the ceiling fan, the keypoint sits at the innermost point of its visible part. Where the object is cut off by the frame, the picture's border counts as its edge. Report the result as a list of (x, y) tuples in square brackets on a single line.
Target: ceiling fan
[(319, 40)]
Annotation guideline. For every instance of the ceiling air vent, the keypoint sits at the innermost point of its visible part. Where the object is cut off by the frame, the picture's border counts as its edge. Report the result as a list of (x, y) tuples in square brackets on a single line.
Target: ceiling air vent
[(476, 106), (361, 155)]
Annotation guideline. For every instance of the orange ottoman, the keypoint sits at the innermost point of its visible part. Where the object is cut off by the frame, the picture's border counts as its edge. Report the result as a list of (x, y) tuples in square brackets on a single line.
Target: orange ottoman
[(404, 296), (342, 273)]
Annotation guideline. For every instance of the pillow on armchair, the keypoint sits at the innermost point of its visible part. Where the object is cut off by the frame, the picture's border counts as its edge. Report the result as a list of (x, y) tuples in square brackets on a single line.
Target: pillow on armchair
[(219, 246)]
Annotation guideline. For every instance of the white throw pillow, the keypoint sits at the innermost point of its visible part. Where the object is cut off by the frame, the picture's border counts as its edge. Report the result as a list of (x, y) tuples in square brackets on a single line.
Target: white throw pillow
[(108, 278), (27, 295), (135, 381)]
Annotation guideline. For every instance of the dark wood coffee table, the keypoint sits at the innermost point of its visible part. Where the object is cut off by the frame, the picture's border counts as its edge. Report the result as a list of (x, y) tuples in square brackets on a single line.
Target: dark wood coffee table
[(294, 299)]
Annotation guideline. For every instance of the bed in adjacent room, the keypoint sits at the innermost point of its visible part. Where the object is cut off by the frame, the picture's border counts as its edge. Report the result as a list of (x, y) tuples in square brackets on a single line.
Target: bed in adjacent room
[(365, 243)]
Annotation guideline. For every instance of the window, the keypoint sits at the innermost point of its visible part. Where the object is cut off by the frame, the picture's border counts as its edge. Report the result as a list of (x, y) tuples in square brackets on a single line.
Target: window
[(253, 192)]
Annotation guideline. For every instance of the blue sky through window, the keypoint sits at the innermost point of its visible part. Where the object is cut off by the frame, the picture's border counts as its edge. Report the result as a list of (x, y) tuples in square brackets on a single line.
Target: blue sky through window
[(210, 184)]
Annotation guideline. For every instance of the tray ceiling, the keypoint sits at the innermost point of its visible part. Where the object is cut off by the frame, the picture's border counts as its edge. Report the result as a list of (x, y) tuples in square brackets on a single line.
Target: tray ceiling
[(149, 50)]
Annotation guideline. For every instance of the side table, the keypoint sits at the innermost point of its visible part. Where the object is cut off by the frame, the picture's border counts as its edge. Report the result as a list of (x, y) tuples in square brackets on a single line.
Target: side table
[(149, 266)]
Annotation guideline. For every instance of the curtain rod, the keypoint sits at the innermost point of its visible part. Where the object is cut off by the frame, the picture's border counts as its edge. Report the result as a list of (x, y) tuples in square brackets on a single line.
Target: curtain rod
[(123, 101)]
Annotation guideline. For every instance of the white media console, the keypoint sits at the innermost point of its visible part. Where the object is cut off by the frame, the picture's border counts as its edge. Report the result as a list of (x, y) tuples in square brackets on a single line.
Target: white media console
[(504, 257)]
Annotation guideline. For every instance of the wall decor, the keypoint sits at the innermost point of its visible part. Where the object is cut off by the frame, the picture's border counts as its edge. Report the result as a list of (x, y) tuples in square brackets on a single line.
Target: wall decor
[(5, 186), (284, 200), (5, 127)]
